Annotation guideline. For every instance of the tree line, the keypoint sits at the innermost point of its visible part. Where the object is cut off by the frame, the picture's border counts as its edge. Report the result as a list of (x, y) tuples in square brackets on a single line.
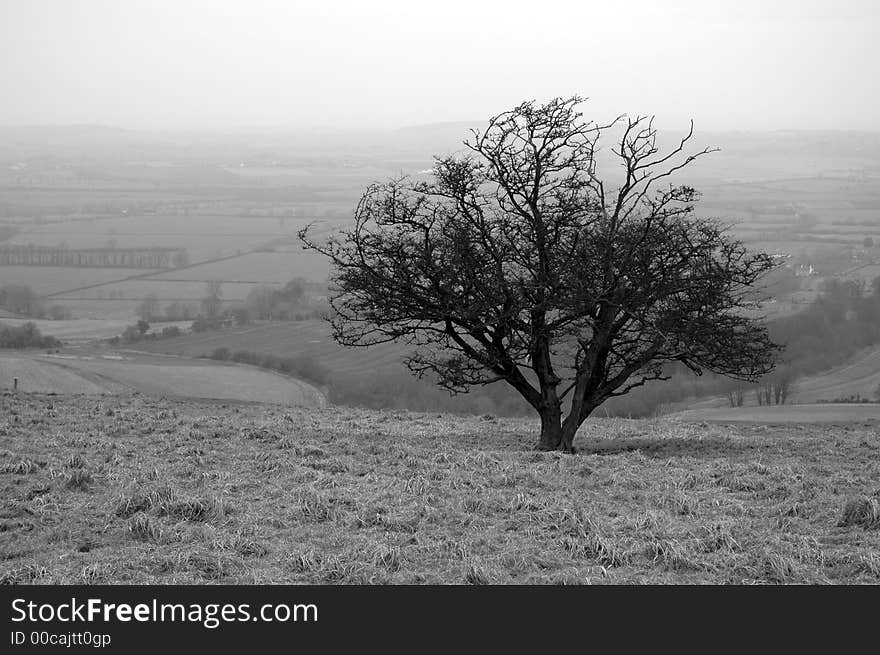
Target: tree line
[(27, 335), (22, 300)]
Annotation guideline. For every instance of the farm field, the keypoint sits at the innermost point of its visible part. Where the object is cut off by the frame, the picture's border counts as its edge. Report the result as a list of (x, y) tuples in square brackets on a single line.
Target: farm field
[(116, 292), (46, 280), (860, 377), (82, 329), (787, 188), (259, 267), (286, 340), (811, 395), (131, 489), (35, 375), (165, 290), (795, 413), (204, 237), (158, 376)]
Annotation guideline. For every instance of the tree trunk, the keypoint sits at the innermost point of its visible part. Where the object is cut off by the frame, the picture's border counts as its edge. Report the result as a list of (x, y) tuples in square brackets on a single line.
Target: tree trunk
[(556, 434), (551, 429), (566, 444)]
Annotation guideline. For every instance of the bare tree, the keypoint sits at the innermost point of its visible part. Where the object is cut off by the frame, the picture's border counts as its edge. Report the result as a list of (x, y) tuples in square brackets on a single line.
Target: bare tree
[(777, 387), (736, 397), (212, 302), (518, 263), (149, 307)]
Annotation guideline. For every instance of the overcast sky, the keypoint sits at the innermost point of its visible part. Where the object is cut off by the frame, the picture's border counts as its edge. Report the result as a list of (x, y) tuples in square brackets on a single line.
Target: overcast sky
[(738, 64)]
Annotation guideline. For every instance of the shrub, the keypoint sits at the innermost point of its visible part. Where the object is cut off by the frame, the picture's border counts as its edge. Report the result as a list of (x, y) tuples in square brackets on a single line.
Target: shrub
[(25, 336), (220, 353), (60, 313)]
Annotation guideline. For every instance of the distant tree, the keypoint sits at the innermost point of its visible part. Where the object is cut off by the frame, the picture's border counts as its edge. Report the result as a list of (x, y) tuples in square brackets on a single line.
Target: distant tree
[(295, 290), (776, 388), (736, 397), (178, 311), (242, 315), (267, 303), (260, 300), (142, 326), (60, 313), (212, 303), (25, 336), (148, 310), (518, 263), (868, 242), (171, 331), (181, 258), (21, 299), (131, 334)]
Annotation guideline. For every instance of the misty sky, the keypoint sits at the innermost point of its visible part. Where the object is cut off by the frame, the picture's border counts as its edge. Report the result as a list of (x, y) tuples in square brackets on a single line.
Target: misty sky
[(739, 64)]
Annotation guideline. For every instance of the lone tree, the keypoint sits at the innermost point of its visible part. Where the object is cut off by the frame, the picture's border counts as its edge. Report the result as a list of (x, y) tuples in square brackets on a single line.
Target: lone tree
[(212, 303), (518, 263)]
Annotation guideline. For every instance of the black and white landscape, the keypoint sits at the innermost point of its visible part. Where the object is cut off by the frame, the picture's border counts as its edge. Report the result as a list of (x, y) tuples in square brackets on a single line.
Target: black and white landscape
[(478, 292)]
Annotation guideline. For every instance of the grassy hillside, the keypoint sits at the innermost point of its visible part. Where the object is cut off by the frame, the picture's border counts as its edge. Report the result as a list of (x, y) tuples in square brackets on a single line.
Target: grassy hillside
[(83, 329), (286, 340), (158, 376), (807, 413), (860, 376), (136, 490)]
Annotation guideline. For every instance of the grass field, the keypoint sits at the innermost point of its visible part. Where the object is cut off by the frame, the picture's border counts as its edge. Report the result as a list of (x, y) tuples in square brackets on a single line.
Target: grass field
[(110, 373), (807, 413), (261, 267), (136, 490), (80, 329), (165, 291), (286, 340), (860, 377), (204, 236), (57, 279), (112, 293)]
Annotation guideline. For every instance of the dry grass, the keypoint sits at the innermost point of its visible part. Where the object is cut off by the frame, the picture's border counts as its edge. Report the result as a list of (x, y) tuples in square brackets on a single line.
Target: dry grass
[(135, 490)]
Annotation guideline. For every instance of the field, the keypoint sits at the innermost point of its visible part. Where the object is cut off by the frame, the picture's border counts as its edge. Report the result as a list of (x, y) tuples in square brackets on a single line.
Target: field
[(861, 377), (115, 293), (80, 329), (136, 490), (812, 396), (45, 280), (238, 200), (836, 413), (110, 373), (286, 340), (204, 236)]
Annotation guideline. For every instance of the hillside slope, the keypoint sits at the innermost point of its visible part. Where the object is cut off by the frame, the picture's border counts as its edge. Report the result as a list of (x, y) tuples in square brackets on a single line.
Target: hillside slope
[(156, 376), (861, 376), (130, 489), (287, 339)]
